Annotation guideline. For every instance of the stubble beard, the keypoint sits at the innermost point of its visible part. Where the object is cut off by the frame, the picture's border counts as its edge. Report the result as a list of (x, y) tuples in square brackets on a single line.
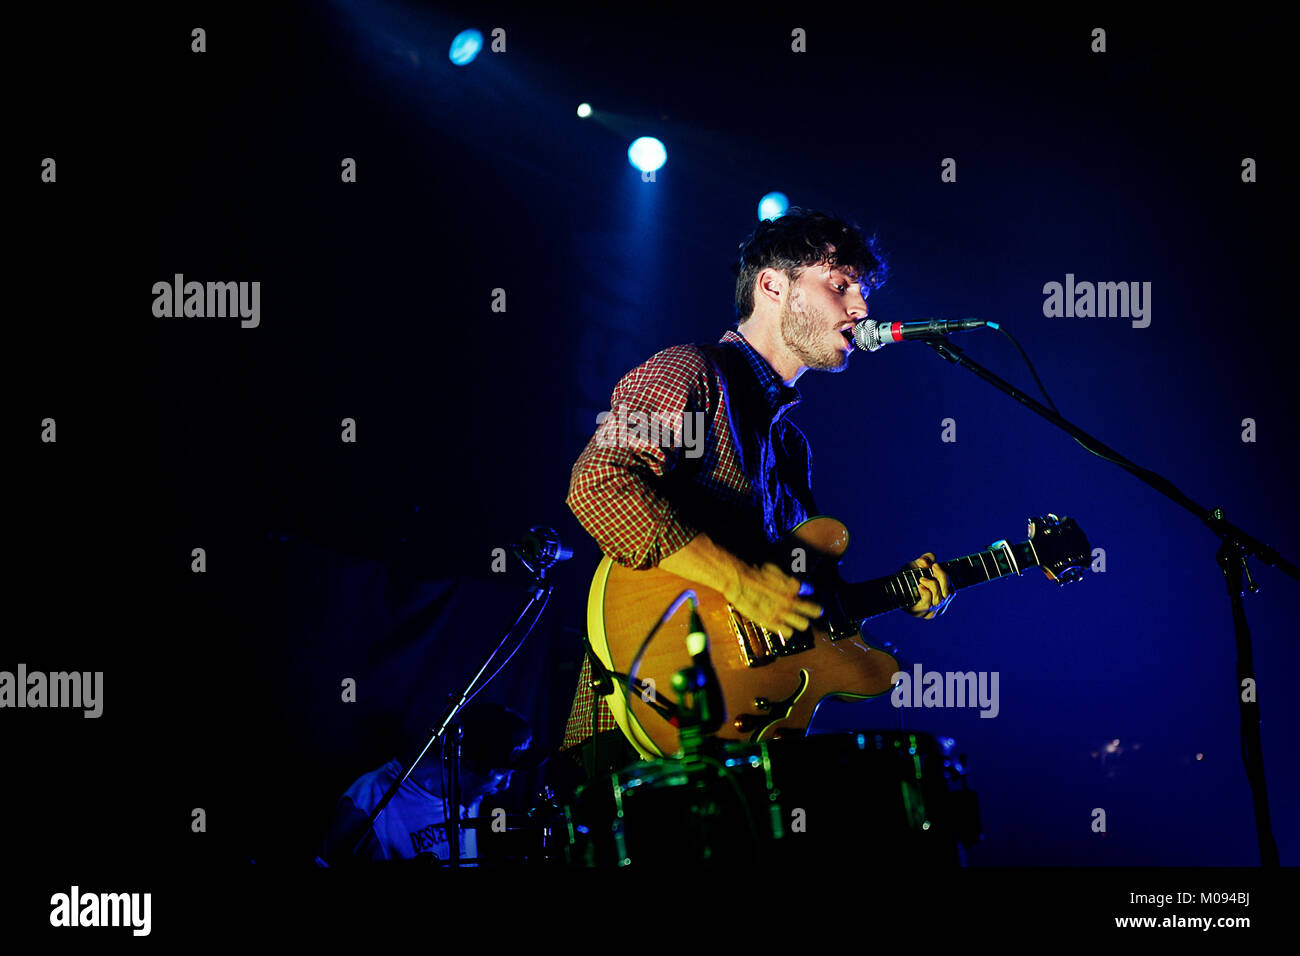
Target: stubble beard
[(804, 333)]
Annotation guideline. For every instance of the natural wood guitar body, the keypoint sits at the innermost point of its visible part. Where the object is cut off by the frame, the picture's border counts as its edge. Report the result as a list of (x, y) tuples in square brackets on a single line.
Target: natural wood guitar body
[(769, 691)]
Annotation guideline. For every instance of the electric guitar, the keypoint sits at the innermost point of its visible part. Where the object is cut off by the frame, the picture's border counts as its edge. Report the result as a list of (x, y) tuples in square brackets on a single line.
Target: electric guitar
[(771, 684)]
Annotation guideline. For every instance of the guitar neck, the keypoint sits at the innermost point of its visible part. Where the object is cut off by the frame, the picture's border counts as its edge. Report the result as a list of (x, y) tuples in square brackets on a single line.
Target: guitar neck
[(879, 596)]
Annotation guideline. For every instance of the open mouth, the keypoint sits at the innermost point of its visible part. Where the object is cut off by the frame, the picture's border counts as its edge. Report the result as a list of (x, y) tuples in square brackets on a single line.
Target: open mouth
[(848, 335)]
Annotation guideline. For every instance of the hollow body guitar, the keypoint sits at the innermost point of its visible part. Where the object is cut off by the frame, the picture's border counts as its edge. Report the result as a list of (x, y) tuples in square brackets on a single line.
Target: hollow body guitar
[(771, 685)]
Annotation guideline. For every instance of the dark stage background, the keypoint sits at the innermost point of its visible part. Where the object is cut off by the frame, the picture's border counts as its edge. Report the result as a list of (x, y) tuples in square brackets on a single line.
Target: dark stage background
[(372, 560)]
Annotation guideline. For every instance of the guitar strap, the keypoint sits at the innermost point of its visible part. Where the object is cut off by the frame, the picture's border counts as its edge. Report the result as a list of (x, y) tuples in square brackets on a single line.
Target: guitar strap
[(601, 681), (602, 685)]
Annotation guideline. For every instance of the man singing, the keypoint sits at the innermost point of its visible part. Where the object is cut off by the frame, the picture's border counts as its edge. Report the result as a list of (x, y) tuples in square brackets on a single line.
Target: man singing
[(802, 283)]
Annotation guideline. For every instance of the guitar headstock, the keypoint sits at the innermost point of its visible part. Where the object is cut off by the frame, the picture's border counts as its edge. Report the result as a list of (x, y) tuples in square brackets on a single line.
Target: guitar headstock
[(1062, 548)]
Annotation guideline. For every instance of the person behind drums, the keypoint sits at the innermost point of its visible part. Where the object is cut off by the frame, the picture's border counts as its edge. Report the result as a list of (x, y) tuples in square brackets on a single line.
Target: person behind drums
[(802, 281), (495, 743)]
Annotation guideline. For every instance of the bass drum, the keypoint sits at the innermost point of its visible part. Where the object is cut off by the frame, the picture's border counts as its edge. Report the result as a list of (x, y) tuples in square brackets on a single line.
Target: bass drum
[(719, 806), (842, 799)]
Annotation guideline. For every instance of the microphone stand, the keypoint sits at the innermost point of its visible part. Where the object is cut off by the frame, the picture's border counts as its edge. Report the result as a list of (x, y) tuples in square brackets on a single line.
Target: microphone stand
[(539, 552), (452, 821), (1235, 548)]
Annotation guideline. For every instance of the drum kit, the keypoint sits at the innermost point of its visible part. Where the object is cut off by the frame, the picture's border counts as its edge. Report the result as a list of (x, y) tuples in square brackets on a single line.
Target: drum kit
[(842, 798), (858, 797)]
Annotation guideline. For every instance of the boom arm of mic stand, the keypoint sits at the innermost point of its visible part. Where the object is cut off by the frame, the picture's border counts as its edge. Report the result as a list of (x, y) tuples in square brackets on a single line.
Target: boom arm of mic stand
[(1236, 547), (1213, 518)]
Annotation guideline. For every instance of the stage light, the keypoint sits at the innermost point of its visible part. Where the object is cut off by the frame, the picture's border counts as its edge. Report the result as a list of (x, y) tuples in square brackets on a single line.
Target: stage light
[(647, 154), (773, 206), (584, 110), (466, 46)]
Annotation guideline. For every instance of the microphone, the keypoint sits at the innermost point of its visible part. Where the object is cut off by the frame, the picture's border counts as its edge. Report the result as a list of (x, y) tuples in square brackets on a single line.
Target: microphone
[(870, 335), (541, 547), (697, 645)]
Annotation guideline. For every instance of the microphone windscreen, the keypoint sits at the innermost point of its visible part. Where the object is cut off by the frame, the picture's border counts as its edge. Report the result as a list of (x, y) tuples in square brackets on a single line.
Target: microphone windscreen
[(865, 335)]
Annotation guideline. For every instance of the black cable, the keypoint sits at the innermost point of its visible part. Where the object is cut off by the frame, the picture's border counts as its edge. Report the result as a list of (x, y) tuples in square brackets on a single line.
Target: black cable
[(1052, 405), (740, 795), (672, 609), (1032, 370), (536, 619), (595, 745)]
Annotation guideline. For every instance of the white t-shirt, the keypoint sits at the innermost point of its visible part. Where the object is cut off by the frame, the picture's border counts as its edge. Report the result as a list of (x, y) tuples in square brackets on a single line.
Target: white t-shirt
[(413, 821)]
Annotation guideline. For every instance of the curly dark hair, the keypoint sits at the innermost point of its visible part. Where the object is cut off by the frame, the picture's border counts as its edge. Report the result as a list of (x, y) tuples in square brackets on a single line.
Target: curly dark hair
[(799, 239)]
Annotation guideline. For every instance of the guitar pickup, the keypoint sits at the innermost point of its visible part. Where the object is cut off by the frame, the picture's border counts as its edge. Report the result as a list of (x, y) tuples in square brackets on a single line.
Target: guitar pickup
[(754, 641), (760, 645), (793, 644)]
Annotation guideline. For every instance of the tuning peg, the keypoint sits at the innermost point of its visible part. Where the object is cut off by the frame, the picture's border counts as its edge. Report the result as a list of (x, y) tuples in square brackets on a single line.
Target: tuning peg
[(1044, 522)]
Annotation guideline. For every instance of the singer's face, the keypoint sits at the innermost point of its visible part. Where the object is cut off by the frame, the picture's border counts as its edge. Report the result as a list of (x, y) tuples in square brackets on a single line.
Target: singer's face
[(818, 318)]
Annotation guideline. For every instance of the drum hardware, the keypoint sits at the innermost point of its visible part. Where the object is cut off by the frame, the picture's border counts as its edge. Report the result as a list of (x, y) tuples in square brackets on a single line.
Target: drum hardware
[(867, 797)]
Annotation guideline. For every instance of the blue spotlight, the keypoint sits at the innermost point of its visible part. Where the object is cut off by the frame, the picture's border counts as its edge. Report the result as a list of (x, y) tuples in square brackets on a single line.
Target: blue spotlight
[(465, 47), (647, 154), (773, 206)]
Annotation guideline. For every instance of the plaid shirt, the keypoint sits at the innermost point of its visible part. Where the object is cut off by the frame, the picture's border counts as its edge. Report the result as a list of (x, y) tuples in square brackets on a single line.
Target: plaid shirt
[(697, 439)]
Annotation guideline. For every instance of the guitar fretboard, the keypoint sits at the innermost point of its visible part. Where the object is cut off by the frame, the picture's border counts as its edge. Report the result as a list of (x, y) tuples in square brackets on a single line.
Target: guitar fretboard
[(881, 595)]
